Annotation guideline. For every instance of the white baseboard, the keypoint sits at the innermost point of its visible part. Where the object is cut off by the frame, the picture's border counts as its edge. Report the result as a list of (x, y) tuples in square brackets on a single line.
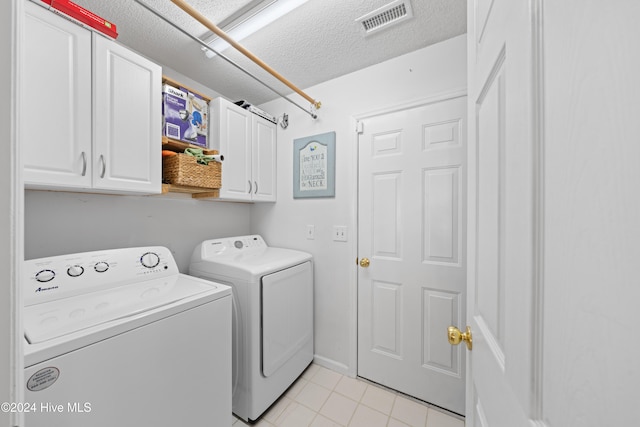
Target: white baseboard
[(334, 366)]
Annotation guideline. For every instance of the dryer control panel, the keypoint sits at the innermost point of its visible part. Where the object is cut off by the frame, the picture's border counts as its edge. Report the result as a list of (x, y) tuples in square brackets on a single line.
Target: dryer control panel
[(231, 245), (48, 279)]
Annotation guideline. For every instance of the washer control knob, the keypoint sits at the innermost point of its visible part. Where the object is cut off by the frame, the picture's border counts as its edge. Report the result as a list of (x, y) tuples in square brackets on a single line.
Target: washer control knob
[(45, 275), (75, 270), (150, 259), (101, 267)]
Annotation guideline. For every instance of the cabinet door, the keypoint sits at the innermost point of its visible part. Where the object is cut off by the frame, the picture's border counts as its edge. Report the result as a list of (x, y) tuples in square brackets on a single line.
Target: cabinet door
[(233, 135), (263, 162), (127, 120), (55, 101)]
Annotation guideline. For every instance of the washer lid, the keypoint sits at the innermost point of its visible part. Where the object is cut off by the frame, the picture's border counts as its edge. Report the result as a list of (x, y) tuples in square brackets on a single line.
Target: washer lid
[(46, 321), (248, 265)]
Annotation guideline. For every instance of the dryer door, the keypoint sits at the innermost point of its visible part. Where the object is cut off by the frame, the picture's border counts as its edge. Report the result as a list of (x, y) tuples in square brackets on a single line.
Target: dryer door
[(287, 315)]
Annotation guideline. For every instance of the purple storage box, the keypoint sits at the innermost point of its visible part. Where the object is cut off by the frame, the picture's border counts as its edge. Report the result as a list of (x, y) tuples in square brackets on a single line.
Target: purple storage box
[(186, 116)]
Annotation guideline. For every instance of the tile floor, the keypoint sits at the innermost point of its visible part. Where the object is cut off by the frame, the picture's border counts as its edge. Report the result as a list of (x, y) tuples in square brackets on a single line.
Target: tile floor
[(324, 398)]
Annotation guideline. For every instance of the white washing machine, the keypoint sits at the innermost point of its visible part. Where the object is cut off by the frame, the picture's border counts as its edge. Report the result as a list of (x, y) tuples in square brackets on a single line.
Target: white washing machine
[(121, 338), (272, 315)]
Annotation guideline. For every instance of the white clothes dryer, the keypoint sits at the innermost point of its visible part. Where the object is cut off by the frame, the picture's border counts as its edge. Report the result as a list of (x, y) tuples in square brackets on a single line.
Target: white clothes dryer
[(272, 315), (121, 338)]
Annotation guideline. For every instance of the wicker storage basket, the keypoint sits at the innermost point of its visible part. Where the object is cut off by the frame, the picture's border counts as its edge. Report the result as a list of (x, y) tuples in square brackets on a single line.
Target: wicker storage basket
[(183, 169)]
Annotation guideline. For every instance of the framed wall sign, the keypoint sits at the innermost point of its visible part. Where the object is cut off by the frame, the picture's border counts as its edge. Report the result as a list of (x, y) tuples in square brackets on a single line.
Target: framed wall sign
[(314, 166)]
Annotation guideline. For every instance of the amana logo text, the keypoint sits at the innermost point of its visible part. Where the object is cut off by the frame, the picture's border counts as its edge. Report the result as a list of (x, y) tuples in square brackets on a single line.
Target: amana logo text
[(46, 289)]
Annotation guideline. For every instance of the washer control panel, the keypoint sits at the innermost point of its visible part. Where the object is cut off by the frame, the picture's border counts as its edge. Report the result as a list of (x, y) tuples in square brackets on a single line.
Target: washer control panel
[(48, 279)]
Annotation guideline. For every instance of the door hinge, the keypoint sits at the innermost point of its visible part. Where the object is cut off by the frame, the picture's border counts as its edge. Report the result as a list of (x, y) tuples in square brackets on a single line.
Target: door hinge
[(359, 127)]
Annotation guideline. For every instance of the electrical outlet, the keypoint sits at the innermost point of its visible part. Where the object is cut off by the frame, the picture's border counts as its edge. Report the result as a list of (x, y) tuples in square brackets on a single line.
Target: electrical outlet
[(311, 232), (339, 233)]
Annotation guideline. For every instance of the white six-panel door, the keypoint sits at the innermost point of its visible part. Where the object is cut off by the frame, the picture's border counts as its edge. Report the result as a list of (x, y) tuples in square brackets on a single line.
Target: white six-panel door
[(501, 280), (554, 207), (411, 226)]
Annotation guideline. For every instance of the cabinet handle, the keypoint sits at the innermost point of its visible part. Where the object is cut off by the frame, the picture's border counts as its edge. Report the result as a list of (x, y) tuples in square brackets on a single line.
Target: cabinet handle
[(256, 190), (104, 166), (250, 187), (84, 163)]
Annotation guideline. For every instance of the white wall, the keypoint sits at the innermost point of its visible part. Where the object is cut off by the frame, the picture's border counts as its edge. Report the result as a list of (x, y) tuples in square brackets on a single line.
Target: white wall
[(415, 76), (59, 223)]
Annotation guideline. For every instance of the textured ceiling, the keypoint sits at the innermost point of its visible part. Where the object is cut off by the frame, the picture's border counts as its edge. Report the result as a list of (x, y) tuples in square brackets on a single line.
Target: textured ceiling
[(316, 42)]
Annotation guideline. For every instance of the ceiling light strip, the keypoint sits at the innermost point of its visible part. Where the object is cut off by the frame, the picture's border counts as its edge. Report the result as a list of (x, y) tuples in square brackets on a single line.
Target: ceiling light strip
[(211, 26), (229, 60)]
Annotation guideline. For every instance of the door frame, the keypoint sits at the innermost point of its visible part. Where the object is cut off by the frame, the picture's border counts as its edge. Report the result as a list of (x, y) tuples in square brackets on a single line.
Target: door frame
[(446, 95), (538, 179), (11, 218)]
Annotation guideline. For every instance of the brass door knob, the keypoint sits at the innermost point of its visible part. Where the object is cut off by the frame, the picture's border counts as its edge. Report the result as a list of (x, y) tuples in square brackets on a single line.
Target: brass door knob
[(456, 337), (364, 262)]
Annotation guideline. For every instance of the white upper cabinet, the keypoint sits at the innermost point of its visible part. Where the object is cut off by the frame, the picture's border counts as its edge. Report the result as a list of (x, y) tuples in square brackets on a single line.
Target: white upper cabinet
[(90, 114), (231, 135), (127, 114), (248, 144), (263, 159), (55, 100)]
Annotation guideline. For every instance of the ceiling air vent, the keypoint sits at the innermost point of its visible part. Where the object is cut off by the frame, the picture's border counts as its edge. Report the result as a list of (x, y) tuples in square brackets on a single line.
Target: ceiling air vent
[(386, 16)]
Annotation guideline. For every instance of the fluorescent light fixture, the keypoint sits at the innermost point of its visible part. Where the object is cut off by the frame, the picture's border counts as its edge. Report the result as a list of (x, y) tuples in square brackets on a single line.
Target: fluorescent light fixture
[(253, 21)]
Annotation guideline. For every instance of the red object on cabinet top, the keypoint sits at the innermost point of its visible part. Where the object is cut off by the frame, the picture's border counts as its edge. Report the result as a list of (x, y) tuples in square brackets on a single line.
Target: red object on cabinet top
[(85, 16)]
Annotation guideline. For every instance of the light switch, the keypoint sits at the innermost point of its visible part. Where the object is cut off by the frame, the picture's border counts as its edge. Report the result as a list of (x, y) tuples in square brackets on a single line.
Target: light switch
[(311, 232), (339, 233)]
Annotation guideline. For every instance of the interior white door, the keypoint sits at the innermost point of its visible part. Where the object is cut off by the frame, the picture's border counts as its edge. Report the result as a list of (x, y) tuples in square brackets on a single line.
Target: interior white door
[(411, 228), (592, 211), (501, 279), (553, 225)]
